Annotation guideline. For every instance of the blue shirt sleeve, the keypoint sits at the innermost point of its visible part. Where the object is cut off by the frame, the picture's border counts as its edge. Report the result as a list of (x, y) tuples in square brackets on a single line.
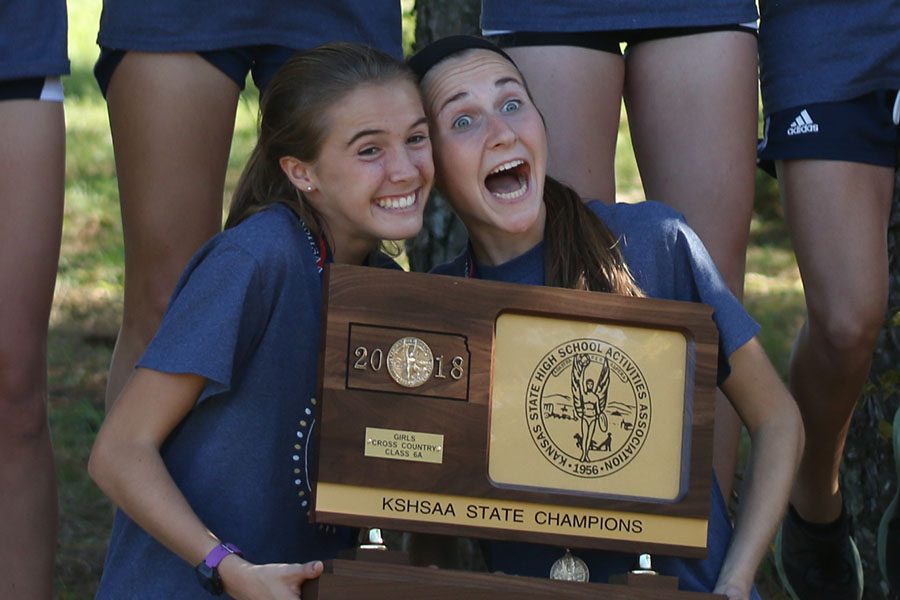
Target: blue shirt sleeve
[(215, 317), (669, 261), (736, 326)]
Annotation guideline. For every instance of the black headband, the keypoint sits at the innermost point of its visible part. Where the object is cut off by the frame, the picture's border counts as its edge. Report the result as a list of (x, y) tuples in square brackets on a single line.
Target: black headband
[(422, 61)]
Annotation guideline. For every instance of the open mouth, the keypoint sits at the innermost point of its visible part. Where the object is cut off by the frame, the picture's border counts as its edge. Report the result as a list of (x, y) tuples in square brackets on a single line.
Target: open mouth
[(509, 180), (396, 202)]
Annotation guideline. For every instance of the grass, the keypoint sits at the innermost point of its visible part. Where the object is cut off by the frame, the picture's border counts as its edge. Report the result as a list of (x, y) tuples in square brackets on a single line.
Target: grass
[(87, 306)]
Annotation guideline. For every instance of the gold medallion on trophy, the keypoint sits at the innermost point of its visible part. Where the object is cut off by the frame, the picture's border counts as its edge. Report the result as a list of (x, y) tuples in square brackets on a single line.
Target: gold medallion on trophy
[(410, 362)]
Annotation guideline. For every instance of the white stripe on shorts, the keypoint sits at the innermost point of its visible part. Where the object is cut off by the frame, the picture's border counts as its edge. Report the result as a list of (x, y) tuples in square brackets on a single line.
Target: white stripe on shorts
[(52, 90)]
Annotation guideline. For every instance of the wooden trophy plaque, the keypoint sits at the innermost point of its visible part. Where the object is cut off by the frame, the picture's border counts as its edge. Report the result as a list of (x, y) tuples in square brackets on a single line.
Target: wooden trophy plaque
[(509, 412)]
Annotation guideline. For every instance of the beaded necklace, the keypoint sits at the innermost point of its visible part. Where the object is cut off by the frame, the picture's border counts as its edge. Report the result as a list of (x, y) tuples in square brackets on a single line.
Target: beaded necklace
[(318, 245)]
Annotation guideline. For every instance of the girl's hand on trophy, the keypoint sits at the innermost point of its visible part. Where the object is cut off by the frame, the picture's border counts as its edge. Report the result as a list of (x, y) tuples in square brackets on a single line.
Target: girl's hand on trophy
[(246, 581)]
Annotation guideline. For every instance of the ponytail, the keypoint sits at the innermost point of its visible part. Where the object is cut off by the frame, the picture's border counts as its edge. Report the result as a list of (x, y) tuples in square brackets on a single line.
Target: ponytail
[(580, 251)]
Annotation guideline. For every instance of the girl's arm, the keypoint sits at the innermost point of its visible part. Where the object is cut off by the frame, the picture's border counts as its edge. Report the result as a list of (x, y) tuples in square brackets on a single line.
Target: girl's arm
[(776, 431), (126, 464)]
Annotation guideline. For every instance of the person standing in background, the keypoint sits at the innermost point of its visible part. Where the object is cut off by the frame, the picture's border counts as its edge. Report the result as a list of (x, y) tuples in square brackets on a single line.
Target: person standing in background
[(171, 73), (689, 80), (830, 72), (33, 56)]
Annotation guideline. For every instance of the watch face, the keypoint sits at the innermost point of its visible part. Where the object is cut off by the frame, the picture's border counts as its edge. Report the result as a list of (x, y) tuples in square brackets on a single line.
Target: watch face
[(209, 579)]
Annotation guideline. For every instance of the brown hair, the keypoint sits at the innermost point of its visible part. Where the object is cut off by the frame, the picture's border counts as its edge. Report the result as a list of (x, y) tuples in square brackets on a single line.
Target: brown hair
[(580, 251), (293, 122)]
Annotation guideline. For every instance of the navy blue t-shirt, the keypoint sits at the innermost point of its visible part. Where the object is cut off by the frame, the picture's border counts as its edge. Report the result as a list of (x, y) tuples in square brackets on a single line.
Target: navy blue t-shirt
[(591, 15), (827, 50), (666, 258), (197, 25), (246, 316), (33, 39), (668, 261)]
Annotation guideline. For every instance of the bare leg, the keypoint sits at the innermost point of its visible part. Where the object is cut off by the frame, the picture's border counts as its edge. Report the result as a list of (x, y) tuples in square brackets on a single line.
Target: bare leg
[(585, 429), (837, 213), (692, 106), (172, 118), (32, 169), (579, 92), (591, 428)]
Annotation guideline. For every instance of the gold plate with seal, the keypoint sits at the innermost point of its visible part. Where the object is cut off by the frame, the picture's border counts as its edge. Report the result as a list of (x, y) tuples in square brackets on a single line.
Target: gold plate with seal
[(410, 362)]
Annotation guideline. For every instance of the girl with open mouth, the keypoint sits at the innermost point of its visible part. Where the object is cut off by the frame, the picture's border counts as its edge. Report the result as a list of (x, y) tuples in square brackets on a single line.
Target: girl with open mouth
[(490, 150)]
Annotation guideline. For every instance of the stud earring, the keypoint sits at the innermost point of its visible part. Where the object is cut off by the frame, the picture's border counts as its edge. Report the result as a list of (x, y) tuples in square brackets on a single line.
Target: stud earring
[(309, 188)]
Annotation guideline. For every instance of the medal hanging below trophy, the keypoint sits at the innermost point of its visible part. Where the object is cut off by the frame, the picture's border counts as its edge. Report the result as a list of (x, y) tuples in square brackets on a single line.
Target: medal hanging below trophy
[(570, 568)]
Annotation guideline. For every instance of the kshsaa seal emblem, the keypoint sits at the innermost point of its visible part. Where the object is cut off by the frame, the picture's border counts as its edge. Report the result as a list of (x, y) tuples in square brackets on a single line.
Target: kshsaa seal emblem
[(588, 408), (410, 362)]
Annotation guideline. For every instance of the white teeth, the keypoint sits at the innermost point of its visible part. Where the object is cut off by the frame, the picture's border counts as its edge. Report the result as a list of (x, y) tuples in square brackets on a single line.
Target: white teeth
[(523, 187), (402, 202), (507, 166)]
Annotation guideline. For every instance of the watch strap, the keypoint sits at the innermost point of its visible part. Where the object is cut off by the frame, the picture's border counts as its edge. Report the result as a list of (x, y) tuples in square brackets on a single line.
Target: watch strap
[(217, 554)]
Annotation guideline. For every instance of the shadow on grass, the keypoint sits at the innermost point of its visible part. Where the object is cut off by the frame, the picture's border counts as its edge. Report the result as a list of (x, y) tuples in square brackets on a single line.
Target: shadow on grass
[(771, 233), (78, 362)]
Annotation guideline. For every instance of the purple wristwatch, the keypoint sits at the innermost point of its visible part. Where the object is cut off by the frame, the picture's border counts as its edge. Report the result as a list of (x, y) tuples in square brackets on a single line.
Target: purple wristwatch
[(208, 570)]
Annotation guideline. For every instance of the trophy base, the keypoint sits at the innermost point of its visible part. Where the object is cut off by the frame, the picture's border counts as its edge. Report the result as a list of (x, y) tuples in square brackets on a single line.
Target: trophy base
[(385, 581), (635, 579)]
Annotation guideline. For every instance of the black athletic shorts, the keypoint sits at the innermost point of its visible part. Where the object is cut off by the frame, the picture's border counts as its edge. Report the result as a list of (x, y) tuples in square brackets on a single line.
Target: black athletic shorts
[(263, 61), (605, 41), (32, 88), (863, 129)]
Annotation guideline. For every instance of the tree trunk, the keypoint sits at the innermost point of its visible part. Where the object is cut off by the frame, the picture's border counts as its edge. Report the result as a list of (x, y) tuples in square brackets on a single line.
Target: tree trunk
[(440, 18), (869, 477), (443, 236)]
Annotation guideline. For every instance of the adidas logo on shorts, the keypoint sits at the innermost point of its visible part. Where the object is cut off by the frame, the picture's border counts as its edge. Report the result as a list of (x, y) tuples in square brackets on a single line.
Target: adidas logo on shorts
[(803, 124)]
